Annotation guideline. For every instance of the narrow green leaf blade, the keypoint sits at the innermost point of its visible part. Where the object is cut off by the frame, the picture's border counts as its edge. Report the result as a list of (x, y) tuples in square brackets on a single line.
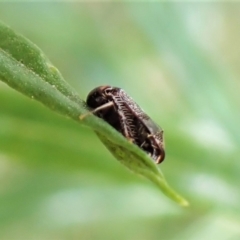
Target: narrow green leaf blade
[(28, 54), (24, 67), (138, 162)]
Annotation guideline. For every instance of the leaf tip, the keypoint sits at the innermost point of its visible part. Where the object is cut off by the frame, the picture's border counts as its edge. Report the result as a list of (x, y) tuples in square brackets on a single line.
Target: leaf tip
[(184, 203)]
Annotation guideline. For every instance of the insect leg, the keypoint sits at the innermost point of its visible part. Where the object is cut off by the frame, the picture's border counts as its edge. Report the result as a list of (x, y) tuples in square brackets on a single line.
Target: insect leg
[(104, 106), (142, 144)]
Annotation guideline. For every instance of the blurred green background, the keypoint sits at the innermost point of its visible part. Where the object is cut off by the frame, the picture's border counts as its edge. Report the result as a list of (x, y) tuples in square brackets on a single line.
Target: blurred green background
[(180, 62)]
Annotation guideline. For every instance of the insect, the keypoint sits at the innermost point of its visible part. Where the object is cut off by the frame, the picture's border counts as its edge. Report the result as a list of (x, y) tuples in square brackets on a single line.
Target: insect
[(113, 105)]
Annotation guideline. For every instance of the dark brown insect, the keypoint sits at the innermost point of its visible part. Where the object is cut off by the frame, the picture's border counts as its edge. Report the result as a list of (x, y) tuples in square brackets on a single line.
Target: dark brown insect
[(113, 105)]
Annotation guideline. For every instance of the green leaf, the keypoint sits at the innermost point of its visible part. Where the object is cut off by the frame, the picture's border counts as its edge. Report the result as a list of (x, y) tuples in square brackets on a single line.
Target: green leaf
[(24, 67)]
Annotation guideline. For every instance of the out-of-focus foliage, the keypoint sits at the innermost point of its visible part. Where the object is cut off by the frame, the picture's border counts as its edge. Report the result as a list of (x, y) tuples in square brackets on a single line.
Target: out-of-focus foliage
[(180, 62)]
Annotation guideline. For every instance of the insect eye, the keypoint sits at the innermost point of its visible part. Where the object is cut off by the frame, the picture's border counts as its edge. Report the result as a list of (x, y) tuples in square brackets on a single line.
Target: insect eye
[(107, 91)]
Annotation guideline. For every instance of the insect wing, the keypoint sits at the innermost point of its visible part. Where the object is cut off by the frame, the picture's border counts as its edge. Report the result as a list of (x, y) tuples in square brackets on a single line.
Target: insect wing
[(151, 128)]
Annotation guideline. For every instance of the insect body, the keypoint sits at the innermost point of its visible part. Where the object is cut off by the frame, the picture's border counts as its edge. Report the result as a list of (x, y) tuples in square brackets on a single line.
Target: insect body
[(113, 105)]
